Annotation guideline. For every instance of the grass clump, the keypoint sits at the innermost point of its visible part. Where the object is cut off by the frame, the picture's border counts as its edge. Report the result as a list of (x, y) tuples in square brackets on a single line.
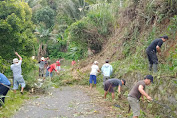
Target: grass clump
[(12, 103)]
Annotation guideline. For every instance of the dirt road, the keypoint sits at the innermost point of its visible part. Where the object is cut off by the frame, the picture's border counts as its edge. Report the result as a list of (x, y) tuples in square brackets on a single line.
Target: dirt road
[(64, 102)]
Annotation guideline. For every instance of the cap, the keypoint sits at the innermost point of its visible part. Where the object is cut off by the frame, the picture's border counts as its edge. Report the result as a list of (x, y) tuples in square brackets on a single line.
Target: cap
[(149, 77), (42, 58), (165, 37), (95, 62), (124, 81), (57, 61), (15, 60)]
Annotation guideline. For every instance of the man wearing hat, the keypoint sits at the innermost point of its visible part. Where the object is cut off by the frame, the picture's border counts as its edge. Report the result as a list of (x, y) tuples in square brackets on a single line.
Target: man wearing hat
[(41, 67), (151, 50), (110, 84), (17, 74), (106, 70), (138, 91), (93, 73)]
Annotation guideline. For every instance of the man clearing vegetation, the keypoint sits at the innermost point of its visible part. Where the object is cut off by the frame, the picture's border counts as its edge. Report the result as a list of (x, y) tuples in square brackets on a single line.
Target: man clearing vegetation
[(17, 74), (138, 91), (110, 84), (107, 71), (93, 73), (50, 70), (41, 67), (154, 47)]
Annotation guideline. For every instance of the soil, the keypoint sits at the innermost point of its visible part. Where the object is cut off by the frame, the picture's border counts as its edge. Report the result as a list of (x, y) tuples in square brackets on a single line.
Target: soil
[(67, 102)]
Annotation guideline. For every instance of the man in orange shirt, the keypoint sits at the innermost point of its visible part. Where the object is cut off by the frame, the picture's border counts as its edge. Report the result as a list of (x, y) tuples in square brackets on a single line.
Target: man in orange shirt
[(50, 70)]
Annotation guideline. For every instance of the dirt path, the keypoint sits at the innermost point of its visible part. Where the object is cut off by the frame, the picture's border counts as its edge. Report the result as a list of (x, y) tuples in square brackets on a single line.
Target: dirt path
[(64, 102)]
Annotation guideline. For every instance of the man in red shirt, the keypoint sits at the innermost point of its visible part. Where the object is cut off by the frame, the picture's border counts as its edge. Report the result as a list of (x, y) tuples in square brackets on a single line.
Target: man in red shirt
[(73, 62), (58, 65), (50, 70)]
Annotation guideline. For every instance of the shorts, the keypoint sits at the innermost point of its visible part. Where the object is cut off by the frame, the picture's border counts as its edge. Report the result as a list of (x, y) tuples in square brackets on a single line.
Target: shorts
[(92, 78), (135, 105), (18, 81), (48, 74), (41, 72), (108, 86), (58, 68)]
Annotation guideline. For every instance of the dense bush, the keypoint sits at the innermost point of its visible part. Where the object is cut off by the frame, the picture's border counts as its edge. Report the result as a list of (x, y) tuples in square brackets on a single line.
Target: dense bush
[(16, 29), (45, 15), (91, 31)]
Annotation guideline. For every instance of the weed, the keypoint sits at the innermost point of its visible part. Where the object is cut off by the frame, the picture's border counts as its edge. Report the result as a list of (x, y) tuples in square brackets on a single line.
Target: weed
[(12, 103)]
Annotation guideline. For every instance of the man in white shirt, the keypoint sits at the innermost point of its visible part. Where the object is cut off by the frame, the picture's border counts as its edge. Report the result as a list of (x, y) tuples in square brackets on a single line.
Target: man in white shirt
[(93, 73), (17, 74)]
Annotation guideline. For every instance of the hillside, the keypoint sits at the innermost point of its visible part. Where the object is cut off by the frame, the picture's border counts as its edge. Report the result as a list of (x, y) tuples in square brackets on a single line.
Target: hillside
[(126, 50), (88, 31)]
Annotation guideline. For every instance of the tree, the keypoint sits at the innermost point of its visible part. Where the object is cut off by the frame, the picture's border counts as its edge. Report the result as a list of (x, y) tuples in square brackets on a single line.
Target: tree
[(45, 15), (16, 29)]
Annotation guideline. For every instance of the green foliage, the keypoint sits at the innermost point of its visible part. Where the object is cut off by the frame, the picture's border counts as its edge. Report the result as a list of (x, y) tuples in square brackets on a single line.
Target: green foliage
[(151, 36), (16, 28), (102, 19), (91, 31), (12, 103), (45, 15), (91, 1), (57, 49), (76, 52), (170, 7), (172, 28), (74, 9), (3, 64), (173, 60)]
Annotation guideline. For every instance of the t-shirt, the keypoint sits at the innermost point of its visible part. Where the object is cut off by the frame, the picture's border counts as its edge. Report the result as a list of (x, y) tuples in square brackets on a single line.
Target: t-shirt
[(115, 82), (94, 70), (153, 45), (52, 67), (4, 80), (16, 69), (73, 62), (135, 92), (41, 64)]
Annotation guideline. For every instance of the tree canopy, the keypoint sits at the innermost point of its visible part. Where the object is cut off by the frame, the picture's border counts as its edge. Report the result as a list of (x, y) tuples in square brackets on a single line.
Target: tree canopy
[(16, 28)]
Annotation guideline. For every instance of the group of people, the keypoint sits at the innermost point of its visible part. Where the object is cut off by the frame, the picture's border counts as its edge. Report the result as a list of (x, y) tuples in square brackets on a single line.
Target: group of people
[(45, 66), (17, 79), (5, 84), (109, 84), (138, 90)]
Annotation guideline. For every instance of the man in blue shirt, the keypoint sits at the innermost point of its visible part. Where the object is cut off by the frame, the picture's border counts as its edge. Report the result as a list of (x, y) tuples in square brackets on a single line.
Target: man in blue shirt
[(107, 71), (4, 82), (151, 50)]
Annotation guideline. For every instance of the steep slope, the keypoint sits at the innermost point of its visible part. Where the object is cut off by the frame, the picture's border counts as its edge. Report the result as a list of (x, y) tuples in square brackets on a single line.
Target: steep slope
[(137, 27)]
